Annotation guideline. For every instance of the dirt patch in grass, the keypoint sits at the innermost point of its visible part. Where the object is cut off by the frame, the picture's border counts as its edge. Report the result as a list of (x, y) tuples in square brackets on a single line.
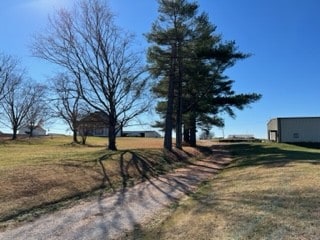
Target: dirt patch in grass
[(40, 175), (269, 192)]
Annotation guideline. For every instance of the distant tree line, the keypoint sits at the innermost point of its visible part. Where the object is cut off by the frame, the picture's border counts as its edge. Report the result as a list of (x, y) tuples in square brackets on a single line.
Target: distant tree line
[(102, 71)]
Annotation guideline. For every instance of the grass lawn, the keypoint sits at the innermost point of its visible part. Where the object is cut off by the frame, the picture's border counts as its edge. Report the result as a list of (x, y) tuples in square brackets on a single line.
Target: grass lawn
[(41, 174), (270, 191)]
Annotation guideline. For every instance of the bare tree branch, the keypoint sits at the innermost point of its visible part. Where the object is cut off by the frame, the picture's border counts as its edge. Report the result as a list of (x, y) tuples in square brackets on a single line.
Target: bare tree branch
[(109, 75), (23, 104), (9, 68), (67, 102)]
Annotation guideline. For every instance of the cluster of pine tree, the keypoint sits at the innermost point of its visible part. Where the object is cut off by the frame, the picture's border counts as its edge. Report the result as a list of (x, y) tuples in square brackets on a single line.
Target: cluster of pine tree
[(189, 59)]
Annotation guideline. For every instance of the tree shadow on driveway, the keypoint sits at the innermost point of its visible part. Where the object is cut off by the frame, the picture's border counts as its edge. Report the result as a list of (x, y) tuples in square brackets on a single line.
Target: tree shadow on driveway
[(143, 193), (133, 205)]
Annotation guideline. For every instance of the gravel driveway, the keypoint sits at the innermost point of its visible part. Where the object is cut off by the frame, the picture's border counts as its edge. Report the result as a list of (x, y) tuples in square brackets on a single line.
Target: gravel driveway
[(112, 217)]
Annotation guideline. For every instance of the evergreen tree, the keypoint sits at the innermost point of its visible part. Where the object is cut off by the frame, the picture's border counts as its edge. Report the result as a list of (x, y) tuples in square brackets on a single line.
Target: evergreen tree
[(190, 66), (169, 35)]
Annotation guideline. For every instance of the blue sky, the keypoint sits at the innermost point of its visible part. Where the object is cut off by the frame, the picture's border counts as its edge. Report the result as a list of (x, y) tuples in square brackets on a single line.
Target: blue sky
[(283, 37)]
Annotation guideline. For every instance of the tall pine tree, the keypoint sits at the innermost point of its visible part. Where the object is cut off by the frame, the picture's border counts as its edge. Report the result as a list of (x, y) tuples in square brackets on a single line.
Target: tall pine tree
[(189, 59), (168, 37)]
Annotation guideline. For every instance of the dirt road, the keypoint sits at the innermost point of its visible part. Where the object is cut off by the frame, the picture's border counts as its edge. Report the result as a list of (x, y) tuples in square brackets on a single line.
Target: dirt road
[(112, 217)]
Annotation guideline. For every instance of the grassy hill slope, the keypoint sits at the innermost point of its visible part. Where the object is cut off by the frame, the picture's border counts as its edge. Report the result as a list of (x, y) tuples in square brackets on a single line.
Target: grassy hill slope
[(270, 191)]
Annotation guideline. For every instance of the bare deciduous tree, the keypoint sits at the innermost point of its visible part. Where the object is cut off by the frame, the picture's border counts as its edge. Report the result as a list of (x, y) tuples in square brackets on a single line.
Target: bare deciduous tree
[(67, 102), (21, 106), (9, 68), (39, 111), (98, 54)]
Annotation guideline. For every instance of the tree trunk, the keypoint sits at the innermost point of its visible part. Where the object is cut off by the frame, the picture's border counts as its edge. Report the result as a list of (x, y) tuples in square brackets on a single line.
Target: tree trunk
[(179, 107), (31, 132), (112, 139), (193, 133), (186, 134), (179, 126), (83, 140), (112, 132), (168, 124), (75, 136), (169, 113), (14, 133)]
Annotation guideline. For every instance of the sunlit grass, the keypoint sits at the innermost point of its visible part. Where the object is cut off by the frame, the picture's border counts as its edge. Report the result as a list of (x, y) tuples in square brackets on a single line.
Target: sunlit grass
[(47, 149), (39, 151)]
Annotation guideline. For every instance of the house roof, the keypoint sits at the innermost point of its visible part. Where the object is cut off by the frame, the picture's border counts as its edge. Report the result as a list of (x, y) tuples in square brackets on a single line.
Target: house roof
[(95, 117), (37, 127)]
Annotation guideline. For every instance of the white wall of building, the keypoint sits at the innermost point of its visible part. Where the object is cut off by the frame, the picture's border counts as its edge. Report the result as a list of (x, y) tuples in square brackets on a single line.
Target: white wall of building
[(273, 130), (300, 129)]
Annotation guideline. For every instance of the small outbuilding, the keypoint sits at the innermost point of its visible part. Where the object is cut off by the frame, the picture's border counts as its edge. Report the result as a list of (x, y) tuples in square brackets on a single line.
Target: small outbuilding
[(294, 129)]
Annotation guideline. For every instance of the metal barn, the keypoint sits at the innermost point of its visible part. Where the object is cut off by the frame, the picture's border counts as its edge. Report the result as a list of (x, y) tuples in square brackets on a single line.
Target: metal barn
[(294, 129)]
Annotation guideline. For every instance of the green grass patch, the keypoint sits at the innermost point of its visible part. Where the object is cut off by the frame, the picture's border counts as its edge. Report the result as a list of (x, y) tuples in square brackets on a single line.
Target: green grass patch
[(270, 191)]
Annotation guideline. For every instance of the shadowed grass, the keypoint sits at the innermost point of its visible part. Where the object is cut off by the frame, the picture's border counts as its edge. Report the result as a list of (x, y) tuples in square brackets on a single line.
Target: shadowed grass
[(270, 191), (272, 154)]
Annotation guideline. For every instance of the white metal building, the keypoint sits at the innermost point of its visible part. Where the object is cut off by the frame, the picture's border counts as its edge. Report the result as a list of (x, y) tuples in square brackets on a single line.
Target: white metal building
[(294, 129)]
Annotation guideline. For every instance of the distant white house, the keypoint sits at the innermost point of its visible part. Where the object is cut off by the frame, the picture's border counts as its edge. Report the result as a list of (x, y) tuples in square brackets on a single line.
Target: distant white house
[(38, 131), (294, 129)]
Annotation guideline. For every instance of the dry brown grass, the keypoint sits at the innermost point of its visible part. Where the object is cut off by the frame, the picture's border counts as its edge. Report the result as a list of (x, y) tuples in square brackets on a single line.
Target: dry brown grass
[(38, 173), (270, 192)]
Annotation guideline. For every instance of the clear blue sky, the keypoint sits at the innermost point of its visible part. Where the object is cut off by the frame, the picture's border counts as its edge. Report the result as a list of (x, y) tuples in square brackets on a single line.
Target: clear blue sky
[(282, 35)]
